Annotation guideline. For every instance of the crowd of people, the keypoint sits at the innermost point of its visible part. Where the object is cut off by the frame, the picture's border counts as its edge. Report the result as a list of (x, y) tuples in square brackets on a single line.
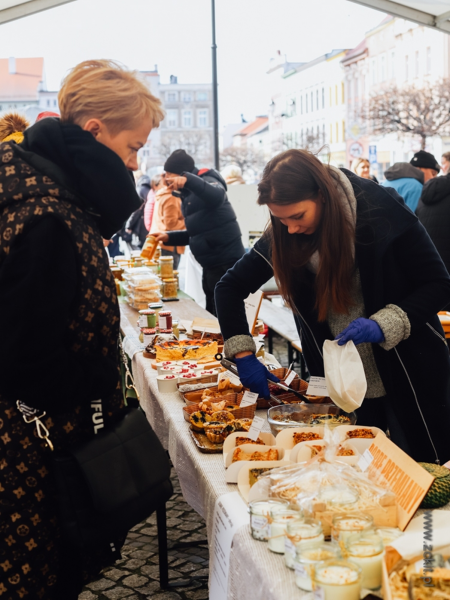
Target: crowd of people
[(355, 260)]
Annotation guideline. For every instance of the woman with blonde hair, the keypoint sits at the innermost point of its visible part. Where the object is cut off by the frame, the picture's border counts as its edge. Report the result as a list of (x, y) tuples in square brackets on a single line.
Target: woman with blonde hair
[(361, 166), (62, 190)]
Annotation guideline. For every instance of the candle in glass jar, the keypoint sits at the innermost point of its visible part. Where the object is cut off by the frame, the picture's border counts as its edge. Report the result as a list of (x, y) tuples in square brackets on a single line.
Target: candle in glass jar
[(299, 534), (345, 524), (339, 495), (277, 527), (259, 516), (337, 580), (367, 550), (308, 557)]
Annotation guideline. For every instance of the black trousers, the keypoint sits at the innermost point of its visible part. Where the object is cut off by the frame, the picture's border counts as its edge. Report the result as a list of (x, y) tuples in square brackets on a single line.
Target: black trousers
[(379, 412), (212, 276)]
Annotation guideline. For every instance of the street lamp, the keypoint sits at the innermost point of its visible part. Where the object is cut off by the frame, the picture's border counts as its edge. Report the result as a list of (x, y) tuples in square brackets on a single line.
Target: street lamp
[(214, 88)]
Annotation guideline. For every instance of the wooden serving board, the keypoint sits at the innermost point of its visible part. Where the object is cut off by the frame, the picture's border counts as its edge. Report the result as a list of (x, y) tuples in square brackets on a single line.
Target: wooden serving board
[(203, 444)]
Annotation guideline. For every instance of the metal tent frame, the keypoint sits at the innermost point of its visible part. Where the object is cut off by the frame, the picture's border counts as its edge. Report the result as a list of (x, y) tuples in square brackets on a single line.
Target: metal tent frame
[(432, 13), (10, 10)]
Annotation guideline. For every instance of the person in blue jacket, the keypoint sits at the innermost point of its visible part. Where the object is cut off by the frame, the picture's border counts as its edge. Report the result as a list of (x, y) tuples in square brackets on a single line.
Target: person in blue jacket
[(355, 264), (407, 181)]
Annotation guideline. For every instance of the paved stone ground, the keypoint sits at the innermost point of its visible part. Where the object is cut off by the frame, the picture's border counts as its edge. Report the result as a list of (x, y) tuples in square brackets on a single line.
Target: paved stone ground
[(136, 577)]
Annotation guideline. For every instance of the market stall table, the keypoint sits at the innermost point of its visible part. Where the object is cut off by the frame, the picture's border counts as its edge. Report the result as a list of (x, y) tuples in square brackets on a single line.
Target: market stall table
[(255, 572)]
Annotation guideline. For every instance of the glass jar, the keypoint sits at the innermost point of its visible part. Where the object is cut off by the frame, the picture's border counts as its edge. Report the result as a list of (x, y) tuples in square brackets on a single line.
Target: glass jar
[(278, 522), (259, 516), (157, 307), (149, 248), (345, 524), (148, 335), (337, 579), (147, 318), (367, 550), (170, 288), (166, 267), (176, 275), (165, 319), (308, 557), (339, 496), (308, 531)]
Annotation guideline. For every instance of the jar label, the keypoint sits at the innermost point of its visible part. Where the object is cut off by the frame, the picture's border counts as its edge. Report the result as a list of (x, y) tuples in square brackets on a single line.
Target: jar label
[(300, 571), (162, 322), (289, 546), (148, 339), (319, 593), (258, 522)]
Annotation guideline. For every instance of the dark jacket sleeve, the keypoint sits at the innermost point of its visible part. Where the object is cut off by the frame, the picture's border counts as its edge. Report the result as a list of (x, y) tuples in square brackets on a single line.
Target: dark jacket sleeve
[(246, 277), (178, 238), (38, 286), (212, 193), (422, 264)]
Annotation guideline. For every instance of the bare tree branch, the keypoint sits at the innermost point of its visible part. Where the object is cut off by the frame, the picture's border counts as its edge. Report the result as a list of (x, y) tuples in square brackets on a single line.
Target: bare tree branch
[(250, 160), (196, 143)]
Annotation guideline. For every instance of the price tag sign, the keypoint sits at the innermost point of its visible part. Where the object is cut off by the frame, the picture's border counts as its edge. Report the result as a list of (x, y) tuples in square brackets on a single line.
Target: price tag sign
[(255, 429), (248, 399), (317, 387), (365, 460), (234, 379), (290, 378)]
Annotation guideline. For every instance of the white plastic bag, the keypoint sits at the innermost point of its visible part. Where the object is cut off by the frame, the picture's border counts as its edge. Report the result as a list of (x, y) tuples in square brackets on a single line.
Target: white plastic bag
[(344, 374)]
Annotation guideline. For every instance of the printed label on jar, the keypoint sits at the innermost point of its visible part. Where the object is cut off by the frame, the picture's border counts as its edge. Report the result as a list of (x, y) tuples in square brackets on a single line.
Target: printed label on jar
[(148, 339), (289, 546), (258, 522), (319, 593), (162, 322), (300, 571)]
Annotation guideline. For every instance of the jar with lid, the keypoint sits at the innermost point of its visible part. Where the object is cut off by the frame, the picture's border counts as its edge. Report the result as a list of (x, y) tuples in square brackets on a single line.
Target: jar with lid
[(308, 557), (165, 319), (149, 248), (157, 307), (337, 579), (366, 550), (166, 267), (148, 335), (339, 496), (298, 534), (344, 524), (176, 274), (170, 288), (278, 523), (147, 318), (259, 516)]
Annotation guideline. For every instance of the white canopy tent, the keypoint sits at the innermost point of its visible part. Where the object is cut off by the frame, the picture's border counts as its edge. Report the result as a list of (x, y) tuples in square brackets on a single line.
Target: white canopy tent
[(10, 10), (432, 13)]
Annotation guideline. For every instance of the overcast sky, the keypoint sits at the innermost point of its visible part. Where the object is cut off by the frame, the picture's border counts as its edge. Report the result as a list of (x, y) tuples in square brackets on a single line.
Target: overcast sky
[(176, 35)]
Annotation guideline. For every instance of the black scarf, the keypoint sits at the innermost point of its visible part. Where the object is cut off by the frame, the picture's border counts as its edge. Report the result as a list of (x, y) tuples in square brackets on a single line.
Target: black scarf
[(95, 174)]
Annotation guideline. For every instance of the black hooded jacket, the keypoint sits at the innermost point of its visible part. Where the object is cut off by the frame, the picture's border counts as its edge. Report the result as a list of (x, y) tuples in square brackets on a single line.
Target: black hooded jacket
[(434, 213), (212, 230)]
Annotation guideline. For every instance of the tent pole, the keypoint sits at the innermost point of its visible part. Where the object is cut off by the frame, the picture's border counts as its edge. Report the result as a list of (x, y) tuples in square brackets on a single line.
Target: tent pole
[(215, 88)]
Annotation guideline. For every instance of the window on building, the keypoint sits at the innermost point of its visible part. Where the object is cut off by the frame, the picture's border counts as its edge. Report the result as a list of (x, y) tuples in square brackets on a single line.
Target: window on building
[(323, 134), (428, 60), (416, 63), (331, 133), (172, 118), (343, 92), (323, 97), (48, 102), (406, 67), (202, 117), (306, 102), (312, 101), (171, 96), (187, 97), (336, 94), (202, 96), (187, 118), (331, 98), (317, 99), (55, 102), (383, 68), (343, 131), (392, 65), (337, 132), (301, 105)]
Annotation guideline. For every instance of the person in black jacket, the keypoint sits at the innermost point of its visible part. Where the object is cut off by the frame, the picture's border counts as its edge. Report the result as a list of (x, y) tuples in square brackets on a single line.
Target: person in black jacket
[(433, 211), (135, 230), (212, 230), (354, 264)]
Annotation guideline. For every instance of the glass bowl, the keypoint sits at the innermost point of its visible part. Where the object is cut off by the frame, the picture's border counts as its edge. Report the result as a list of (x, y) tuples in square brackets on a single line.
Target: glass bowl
[(307, 415)]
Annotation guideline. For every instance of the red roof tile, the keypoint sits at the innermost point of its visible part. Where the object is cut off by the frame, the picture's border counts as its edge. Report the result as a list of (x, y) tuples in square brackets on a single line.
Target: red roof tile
[(24, 83), (252, 127)]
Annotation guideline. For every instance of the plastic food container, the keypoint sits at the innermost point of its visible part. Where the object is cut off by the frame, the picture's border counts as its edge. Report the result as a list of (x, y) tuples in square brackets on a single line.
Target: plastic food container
[(307, 415)]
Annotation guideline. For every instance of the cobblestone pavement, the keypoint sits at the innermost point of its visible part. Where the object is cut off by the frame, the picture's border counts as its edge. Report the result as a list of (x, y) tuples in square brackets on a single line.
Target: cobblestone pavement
[(136, 576)]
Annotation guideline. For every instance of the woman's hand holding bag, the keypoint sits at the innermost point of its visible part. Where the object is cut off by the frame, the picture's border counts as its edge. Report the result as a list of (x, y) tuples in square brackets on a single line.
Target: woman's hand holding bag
[(361, 331), (254, 375)]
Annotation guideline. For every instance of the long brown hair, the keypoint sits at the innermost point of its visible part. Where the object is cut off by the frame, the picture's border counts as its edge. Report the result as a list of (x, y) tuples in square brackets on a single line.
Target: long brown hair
[(291, 177)]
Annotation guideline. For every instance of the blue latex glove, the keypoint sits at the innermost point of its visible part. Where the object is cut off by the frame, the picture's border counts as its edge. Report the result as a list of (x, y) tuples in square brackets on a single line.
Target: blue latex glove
[(361, 331), (254, 375)]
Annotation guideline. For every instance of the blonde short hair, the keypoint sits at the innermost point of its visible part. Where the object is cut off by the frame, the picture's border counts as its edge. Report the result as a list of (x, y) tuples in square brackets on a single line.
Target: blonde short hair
[(105, 90), (356, 162)]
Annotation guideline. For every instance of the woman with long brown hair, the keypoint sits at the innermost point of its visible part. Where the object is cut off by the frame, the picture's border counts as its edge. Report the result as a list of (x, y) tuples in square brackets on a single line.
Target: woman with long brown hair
[(353, 263)]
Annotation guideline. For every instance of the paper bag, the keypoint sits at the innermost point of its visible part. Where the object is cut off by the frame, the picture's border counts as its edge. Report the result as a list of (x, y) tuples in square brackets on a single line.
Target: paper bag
[(344, 374)]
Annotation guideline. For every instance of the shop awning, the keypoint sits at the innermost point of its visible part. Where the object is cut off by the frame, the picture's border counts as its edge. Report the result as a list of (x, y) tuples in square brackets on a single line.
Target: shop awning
[(10, 10), (432, 13)]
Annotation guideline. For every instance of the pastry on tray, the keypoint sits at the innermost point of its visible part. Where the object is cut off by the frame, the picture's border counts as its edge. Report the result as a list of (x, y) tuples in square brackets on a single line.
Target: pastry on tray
[(198, 420), (306, 436), (217, 432), (239, 454), (243, 424), (223, 416), (361, 432), (245, 440), (185, 349), (225, 385), (255, 474)]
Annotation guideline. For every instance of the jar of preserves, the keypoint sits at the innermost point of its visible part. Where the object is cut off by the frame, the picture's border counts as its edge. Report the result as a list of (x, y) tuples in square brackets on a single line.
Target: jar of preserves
[(170, 288), (149, 248), (165, 319), (166, 267), (176, 274), (157, 307), (147, 318)]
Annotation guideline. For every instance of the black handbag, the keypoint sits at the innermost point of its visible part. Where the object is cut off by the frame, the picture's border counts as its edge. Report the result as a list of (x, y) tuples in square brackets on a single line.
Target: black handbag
[(110, 483)]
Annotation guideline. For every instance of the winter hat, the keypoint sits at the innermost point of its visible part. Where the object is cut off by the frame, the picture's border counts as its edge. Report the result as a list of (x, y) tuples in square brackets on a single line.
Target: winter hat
[(12, 126), (47, 114), (178, 162), (425, 160)]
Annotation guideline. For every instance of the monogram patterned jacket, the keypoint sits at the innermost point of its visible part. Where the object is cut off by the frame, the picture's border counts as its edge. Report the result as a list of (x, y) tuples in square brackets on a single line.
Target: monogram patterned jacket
[(85, 327)]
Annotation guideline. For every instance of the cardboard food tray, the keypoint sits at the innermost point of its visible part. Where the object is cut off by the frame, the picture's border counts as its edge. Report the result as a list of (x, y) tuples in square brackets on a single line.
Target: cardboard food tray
[(296, 384), (248, 412), (205, 445), (195, 397)]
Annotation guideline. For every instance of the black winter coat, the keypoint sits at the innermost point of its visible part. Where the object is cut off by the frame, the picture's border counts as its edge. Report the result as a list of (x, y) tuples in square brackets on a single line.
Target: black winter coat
[(212, 230), (433, 211), (399, 265)]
